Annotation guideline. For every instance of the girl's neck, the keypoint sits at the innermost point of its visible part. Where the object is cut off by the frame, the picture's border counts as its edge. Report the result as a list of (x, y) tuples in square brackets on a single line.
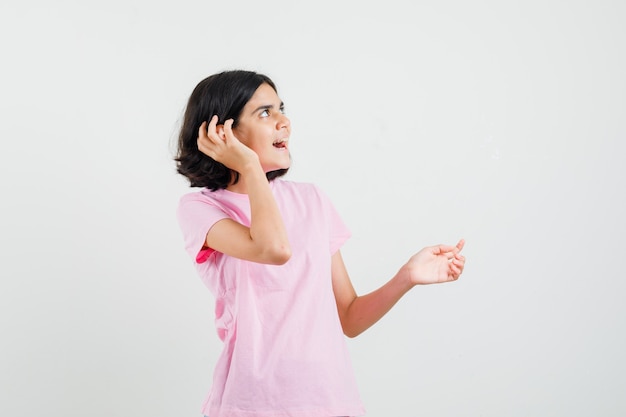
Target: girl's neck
[(239, 187)]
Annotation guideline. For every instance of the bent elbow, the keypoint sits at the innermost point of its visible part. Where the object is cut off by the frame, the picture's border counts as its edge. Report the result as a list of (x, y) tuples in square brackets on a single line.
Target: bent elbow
[(350, 335), (351, 331), (280, 256)]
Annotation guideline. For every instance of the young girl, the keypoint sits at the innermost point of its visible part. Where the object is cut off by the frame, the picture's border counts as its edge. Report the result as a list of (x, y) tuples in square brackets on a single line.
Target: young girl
[(268, 249)]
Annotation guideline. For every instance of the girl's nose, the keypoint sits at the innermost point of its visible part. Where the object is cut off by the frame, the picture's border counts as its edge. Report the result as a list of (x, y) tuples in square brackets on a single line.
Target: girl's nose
[(283, 121)]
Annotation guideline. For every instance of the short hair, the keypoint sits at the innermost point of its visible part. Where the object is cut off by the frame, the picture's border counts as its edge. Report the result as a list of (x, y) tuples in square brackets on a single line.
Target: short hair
[(224, 94)]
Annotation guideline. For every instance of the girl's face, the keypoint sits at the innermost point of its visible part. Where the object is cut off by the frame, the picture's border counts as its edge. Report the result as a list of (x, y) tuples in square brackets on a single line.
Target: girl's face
[(264, 128)]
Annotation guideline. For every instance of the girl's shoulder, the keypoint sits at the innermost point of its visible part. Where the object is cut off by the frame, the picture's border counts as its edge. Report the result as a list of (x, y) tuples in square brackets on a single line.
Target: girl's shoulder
[(296, 188), (280, 183), (208, 196), (219, 201), (299, 193)]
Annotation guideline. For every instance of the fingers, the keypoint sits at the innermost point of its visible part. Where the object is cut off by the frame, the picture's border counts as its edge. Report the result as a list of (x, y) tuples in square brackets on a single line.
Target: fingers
[(202, 138), (202, 130), (446, 250), (454, 271), (211, 131), (456, 265), (208, 137), (213, 134), (451, 251), (458, 261), (228, 130)]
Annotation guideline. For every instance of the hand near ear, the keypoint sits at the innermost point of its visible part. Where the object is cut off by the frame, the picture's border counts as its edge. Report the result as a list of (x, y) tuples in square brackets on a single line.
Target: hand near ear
[(220, 143), (435, 264)]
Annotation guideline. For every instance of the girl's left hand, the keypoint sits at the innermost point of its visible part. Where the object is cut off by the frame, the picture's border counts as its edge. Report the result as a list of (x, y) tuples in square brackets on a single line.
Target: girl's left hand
[(436, 264)]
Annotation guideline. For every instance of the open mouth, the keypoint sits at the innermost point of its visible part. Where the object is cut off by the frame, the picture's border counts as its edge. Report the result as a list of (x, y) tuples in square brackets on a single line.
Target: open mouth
[(280, 143)]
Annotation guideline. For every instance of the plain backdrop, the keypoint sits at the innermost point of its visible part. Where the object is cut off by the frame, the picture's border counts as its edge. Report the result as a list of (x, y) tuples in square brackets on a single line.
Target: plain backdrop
[(501, 122)]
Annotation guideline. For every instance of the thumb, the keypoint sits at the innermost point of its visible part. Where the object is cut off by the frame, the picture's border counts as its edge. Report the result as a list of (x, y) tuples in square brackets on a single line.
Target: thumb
[(446, 250)]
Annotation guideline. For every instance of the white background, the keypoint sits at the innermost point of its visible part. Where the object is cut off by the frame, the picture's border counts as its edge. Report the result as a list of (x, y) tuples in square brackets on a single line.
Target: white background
[(500, 122)]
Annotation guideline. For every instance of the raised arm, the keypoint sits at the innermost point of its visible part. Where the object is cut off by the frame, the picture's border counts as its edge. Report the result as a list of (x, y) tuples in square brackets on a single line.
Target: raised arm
[(265, 241), (434, 264)]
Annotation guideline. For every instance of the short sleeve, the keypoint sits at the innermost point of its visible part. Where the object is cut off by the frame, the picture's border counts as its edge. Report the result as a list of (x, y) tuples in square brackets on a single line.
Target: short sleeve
[(196, 216), (338, 231)]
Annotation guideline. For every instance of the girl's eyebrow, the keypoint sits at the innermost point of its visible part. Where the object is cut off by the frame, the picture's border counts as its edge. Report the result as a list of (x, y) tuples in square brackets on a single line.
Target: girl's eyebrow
[(268, 107)]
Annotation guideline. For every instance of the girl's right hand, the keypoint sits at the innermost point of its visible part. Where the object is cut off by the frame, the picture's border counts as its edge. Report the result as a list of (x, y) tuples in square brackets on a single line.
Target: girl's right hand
[(221, 144)]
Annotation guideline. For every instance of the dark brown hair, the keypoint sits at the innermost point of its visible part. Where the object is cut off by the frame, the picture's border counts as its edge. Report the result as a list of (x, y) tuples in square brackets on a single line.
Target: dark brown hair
[(224, 94)]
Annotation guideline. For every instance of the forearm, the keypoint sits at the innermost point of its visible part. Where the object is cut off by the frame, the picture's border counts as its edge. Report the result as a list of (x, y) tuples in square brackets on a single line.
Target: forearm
[(267, 229), (367, 309), (431, 265)]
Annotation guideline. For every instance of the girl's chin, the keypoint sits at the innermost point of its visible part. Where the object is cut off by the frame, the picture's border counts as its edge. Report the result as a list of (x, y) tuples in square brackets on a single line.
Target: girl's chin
[(277, 168)]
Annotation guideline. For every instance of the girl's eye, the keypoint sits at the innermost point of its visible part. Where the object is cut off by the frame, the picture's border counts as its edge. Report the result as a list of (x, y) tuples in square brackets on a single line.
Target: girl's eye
[(266, 112)]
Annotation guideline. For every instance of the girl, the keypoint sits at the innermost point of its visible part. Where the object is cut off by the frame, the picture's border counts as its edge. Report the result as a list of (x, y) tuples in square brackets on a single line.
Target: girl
[(268, 249)]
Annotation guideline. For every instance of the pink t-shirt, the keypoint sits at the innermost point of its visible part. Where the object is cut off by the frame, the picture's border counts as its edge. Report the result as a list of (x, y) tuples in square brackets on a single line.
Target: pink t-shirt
[(284, 350)]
